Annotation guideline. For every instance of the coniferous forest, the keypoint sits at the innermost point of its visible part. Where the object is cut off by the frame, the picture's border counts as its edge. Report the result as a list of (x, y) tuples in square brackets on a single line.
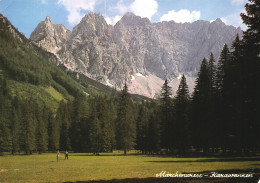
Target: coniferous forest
[(221, 116)]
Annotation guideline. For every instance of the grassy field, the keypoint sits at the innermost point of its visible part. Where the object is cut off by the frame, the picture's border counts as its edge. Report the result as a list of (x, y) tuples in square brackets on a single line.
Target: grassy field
[(107, 166)]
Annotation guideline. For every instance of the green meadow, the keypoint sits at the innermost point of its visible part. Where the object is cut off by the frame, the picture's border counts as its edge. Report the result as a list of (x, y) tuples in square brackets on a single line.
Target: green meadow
[(108, 166)]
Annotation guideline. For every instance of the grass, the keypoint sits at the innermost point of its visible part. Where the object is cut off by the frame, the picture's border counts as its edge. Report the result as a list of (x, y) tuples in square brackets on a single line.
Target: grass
[(107, 166)]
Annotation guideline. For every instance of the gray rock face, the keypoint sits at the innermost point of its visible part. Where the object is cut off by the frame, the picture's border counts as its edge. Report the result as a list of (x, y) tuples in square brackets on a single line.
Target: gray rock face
[(134, 48), (50, 36)]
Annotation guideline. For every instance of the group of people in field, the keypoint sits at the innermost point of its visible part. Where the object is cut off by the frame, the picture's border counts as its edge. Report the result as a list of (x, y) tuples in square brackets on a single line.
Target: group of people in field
[(66, 155)]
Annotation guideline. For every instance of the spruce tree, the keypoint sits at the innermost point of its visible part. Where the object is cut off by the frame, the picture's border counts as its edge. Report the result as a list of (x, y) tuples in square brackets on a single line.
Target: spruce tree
[(202, 116), (94, 133), (27, 136), (78, 117), (126, 129), (223, 84), (153, 139), (41, 131), (5, 106), (53, 133), (142, 126), (166, 115), (63, 118), (16, 124), (107, 116), (15, 131), (250, 73), (181, 118)]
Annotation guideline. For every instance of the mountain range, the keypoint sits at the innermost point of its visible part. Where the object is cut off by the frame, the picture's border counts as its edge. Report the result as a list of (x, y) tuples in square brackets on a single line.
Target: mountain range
[(134, 50)]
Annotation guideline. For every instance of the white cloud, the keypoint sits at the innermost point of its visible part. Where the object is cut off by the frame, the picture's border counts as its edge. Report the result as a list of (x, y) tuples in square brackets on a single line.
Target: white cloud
[(239, 2), (75, 7), (121, 7), (234, 19), (113, 20), (144, 8), (181, 16)]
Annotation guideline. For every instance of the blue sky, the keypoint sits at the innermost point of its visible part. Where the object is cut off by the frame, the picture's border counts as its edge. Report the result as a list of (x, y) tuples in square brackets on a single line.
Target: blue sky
[(26, 14)]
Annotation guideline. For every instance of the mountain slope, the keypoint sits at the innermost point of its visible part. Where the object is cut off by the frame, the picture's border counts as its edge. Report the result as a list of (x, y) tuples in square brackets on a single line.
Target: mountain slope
[(31, 72), (136, 47)]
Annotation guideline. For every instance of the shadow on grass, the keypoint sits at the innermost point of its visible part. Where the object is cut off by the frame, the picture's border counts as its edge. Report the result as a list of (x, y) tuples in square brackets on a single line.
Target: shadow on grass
[(206, 179), (210, 160), (133, 154)]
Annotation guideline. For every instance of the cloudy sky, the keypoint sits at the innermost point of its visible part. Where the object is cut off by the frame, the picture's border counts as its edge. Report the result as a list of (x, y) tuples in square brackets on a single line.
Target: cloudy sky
[(26, 14)]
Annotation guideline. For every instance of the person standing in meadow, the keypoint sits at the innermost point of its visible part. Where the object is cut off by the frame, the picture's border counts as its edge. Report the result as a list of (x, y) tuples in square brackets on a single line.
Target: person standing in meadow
[(66, 155), (58, 155)]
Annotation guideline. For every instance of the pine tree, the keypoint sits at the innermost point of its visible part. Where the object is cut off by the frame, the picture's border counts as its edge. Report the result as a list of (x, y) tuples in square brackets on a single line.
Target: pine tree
[(181, 118), (223, 84), (53, 133), (126, 132), (166, 115), (212, 73), (202, 120), (94, 132), (153, 139), (78, 116), (222, 69), (252, 19), (106, 115), (250, 76), (27, 136), (142, 130), (15, 131), (63, 118), (41, 130), (5, 134), (16, 126)]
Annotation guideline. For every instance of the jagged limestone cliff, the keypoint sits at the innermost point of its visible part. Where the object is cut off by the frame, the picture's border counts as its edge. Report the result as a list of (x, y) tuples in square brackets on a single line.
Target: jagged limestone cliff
[(135, 50)]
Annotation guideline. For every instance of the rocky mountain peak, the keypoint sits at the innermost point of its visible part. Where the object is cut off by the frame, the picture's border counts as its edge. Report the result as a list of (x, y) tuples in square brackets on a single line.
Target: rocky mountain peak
[(91, 24), (131, 19), (218, 22), (136, 49), (48, 19), (50, 36)]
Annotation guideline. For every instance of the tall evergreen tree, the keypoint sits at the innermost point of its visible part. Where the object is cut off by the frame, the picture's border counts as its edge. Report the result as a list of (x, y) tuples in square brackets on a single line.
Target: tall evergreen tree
[(212, 73), (15, 131), (250, 72), (166, 115), (223, 84), (5, 107), (41, 130), (107, 116), (16, 124), (5, 134), (94, 133), (126, 131), (154, 131), (202, 109), (63, 118), (181, 121), (79, 116), (53, 133), (27, 136), (142, 127)]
